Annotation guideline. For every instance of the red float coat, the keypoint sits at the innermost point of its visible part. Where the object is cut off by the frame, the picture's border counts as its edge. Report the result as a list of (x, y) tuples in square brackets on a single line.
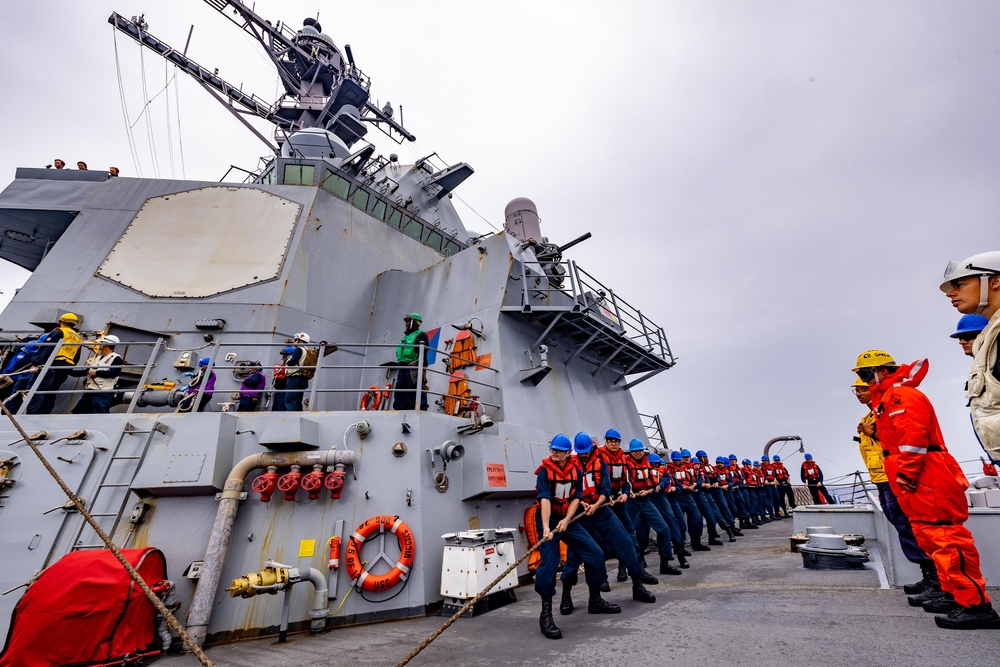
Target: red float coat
[(561, 484), (780, 471), (915, 453), (914, 449)]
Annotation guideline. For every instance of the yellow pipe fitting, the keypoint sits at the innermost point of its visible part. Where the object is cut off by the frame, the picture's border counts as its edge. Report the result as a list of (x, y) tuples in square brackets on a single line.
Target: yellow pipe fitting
[(250, 584)]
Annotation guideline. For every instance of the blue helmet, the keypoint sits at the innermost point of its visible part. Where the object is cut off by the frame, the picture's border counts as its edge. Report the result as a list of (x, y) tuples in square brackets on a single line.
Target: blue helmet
[(732, 457), (582, 443), (655, 458), (776, 459), (561, 443), (756, 463), (970, 324), (31, 348), (746, 462), (287, 350), (204, 361), (700, 453), (635, 445), (686, 452), (809, 457), (675, 456), (722, 459), (763, 457), (612, 434)]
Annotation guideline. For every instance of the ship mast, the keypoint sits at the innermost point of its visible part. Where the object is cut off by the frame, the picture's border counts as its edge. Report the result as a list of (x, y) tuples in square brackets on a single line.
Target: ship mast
[(322, 89)]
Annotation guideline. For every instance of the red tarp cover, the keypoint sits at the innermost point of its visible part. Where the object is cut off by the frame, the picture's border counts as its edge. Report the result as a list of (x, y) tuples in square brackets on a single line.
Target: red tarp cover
[(83, 609)]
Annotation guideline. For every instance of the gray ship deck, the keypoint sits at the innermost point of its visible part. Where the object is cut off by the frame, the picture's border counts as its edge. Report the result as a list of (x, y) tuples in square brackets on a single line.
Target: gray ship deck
[(748, 603)]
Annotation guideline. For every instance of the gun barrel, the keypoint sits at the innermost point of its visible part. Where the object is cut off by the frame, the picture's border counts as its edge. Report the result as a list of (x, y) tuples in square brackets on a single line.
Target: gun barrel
[(578, 239)]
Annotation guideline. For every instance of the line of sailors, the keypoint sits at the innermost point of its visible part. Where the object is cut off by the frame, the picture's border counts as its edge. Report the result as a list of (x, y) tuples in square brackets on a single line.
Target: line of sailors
[(604, 500)]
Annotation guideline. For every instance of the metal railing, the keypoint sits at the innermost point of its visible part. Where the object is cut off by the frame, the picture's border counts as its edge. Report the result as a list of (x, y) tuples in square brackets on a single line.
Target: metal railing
[(355, 379), (565, 286)]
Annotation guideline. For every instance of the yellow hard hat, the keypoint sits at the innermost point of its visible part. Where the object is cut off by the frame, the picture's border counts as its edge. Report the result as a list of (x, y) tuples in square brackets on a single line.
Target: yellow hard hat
[(873, 359), (860, 383), (70, 317)]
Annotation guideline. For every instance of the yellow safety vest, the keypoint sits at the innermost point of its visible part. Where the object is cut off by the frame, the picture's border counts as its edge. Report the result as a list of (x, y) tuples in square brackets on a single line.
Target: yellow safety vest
[(68, 352), (871, 452)]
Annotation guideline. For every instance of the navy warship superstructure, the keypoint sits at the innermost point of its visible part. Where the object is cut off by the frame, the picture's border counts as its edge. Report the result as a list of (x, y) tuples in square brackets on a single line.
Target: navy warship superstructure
[(335, 241)]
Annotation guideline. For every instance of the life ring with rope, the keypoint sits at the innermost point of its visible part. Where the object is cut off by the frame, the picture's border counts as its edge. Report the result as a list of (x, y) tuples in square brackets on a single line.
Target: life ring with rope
[(361, 576), (373, 398)]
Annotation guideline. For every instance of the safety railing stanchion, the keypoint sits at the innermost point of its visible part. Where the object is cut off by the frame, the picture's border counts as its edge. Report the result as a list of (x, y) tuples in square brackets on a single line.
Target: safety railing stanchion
[(153, 358), (315, 377), (420, 376)]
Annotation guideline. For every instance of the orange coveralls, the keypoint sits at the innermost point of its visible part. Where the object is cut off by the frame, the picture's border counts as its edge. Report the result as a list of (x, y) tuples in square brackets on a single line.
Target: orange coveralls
[(915, 453)]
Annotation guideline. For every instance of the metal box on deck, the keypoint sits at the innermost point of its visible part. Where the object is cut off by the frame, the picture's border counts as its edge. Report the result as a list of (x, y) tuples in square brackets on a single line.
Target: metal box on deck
[(472, 560)]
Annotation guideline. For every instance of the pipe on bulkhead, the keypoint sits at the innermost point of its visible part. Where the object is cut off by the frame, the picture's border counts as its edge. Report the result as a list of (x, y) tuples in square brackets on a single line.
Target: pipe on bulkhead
[(225, 518)]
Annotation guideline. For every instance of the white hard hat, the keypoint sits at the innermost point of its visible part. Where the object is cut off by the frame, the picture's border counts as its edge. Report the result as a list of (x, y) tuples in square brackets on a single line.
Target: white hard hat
[(304, 337), (984, 264), (110, 341)]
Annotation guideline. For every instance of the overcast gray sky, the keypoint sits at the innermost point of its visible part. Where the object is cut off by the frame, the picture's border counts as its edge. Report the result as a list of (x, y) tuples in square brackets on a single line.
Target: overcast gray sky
[(779, 184)]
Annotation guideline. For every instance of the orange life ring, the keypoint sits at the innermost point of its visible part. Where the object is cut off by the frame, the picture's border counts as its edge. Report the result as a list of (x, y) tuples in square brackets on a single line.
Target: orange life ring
[(363, 578), (372, 398)]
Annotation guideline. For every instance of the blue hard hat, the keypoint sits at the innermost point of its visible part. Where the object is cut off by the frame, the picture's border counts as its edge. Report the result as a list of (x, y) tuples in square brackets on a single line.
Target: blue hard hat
[(746, 462), (31, 348), (612, 434), (561, 443), (700, 453), (635, 445), (809, 457), (655, 458), (582, 443), (756, 463), (970, 323), (686, 452), (675, 456), (776, 458), (764, 457), (287, 350), (721, 459), (732, 457), (204, 361)]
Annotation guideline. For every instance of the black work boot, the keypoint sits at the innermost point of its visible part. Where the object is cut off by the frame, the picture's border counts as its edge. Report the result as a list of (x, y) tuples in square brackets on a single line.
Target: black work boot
[(757, 523), (748, 524), (545, 622), (667, 568), (642, 560), (639, 592), (682, 561), (622, 572), (646, 578), (978, 617), (698, 546), (566, 602), (929, 593), (930, 576), (941, 605), (598, 605), (680, 550), (736, 531), (605, 586), (715, 541), (729, 532)]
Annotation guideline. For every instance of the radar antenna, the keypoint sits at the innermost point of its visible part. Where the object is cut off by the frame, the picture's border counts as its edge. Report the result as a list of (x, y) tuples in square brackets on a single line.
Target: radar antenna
[(322, 88)]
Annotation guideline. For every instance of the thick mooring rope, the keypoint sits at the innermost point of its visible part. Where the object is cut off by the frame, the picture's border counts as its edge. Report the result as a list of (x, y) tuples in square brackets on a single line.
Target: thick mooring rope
[(468, 605), (172, 622)]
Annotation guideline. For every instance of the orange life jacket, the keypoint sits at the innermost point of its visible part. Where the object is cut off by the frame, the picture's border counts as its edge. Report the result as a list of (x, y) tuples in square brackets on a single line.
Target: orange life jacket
[(561, 483), (810, 470), (591, 477), (617, 469), (639, 471)]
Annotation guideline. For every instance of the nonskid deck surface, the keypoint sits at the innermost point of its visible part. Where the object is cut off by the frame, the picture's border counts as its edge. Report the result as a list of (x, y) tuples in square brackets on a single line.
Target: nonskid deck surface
[(747, 603)]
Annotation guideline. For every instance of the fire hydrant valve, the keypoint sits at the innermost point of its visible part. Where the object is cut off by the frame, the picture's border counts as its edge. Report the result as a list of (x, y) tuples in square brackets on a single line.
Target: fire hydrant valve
[(335, 483), (290, 482)]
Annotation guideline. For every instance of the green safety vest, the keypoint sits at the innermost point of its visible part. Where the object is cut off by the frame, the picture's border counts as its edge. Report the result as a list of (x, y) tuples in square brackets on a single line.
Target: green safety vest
[(406, 353)]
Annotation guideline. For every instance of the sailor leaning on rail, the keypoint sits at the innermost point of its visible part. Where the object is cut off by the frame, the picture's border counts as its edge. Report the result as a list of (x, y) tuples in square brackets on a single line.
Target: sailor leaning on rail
[(560, 490), (66, 356), (929, 484), (102, 372), (408, 354)]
